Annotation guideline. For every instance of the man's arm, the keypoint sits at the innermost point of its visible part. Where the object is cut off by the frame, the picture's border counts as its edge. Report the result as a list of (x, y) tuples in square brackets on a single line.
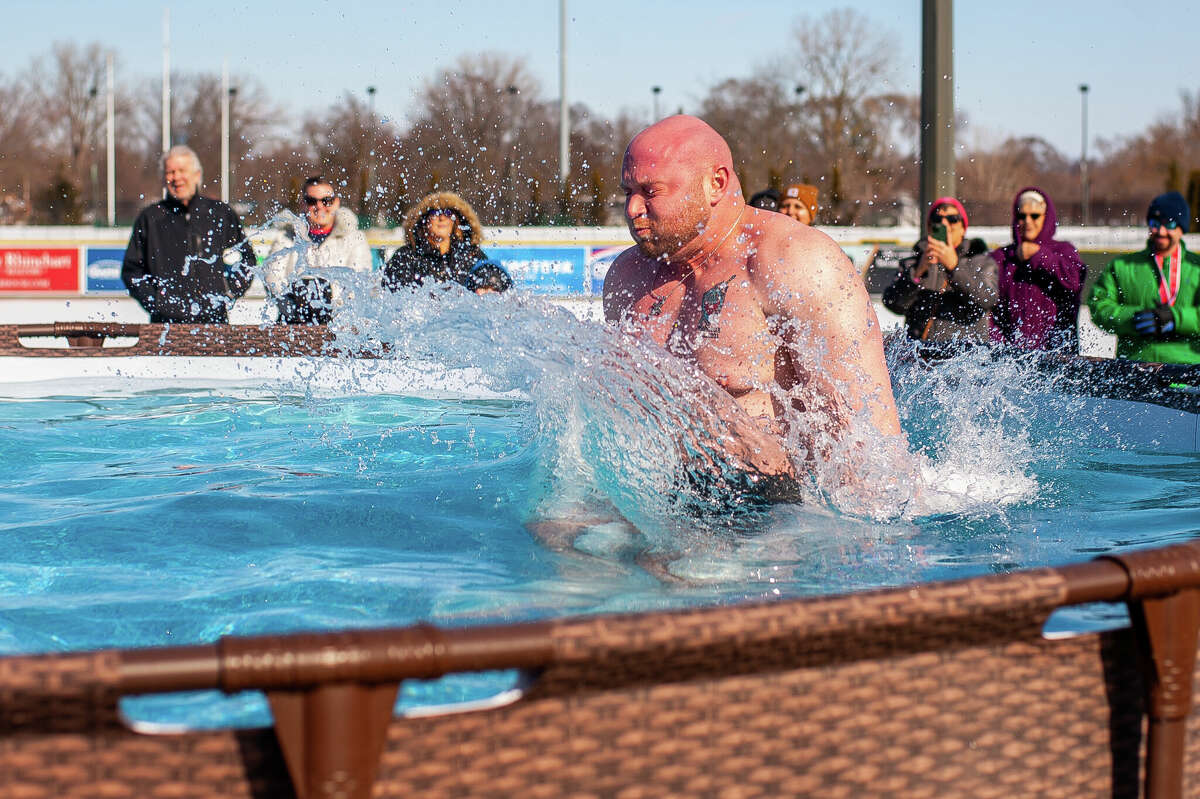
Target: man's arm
[(829, 327), (142, 286)]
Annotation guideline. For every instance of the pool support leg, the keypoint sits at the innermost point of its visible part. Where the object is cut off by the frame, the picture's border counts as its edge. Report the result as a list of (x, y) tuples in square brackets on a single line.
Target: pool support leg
[(332, 736), (1166, 621)]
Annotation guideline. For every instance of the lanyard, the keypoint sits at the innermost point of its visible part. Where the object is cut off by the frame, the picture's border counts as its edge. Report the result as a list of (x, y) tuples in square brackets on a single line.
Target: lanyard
[(1168, 286)]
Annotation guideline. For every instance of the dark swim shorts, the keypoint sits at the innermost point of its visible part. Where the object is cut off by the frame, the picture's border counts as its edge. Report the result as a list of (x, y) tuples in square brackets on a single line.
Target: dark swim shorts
[(735, 493)]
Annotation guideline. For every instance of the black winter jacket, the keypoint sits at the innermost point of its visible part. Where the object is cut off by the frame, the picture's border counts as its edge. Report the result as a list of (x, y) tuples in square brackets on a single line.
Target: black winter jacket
[(173, 265), (416, 264), (948, 306)]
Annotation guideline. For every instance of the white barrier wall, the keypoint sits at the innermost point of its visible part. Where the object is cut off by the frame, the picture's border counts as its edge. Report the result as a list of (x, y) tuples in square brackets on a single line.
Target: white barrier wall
[(85, 261), (73, 273)]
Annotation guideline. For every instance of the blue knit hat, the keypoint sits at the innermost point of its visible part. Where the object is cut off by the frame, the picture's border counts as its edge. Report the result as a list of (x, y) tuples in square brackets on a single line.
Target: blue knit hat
[(1170, 206)]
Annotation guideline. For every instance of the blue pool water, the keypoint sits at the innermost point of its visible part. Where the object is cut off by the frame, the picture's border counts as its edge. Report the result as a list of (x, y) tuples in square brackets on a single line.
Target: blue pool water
[(171, 518)]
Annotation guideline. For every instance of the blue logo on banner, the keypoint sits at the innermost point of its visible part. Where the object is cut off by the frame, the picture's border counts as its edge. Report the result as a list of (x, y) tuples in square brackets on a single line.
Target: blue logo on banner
[(103, 270), (544, 270)]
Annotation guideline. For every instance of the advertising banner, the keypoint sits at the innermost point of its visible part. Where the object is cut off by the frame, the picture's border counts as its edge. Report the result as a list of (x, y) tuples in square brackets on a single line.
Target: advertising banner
[(102, 272), (544, 270), (49, 270)]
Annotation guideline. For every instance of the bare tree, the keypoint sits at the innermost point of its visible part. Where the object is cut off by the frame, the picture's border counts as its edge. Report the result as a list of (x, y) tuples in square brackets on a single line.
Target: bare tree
[(482, 129), (843, 59), (196, 121), (67, 92), (759, 117), (22, 160), (342, 144)]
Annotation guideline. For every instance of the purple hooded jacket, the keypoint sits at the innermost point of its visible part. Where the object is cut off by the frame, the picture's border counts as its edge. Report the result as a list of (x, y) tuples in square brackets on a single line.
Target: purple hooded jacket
[(1039, 299)]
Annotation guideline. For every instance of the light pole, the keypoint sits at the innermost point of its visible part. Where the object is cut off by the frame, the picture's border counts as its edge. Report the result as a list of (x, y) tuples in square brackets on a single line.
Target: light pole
[(564, 110), (232, 95), (225, 132), (166, 84), (370, 188), (1085, 201), (655, 91), (110, 172), (937, 100), (507, 139), (95, 166)]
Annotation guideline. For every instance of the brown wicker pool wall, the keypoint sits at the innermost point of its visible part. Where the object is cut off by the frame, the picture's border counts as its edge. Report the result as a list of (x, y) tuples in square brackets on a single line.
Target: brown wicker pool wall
[(935, 690)]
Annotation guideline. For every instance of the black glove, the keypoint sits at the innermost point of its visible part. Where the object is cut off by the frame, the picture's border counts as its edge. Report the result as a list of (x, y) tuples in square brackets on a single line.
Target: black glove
[(1154, 321)]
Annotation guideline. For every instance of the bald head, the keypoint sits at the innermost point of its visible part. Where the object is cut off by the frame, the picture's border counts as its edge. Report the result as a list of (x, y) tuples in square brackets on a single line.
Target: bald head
[(686, 141), (677, 177)]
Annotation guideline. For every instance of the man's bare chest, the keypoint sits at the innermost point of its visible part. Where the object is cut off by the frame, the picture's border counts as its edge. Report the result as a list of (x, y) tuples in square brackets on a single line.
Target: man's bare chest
[(720, 326)]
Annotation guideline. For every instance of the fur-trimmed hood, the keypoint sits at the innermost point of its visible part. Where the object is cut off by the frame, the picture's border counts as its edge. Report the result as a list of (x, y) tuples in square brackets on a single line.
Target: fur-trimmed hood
[(467, 218)]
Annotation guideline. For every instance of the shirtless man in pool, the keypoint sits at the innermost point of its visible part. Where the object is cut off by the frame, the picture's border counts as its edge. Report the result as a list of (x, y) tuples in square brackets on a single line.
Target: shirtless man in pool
[(749, 296)]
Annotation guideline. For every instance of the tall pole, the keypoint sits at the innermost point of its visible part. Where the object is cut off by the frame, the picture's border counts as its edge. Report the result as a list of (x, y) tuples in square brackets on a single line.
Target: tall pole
[(225, 131), (110, 172), (564, 122), (370, 192), (166, 82), (937, 100), (1084, 199)]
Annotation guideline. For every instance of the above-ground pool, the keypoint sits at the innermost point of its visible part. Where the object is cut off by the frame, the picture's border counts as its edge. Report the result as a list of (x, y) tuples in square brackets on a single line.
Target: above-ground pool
[(170, 517)]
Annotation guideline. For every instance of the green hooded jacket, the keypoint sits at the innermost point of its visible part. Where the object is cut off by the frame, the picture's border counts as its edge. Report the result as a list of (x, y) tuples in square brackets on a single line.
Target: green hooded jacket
[(1130, 284)]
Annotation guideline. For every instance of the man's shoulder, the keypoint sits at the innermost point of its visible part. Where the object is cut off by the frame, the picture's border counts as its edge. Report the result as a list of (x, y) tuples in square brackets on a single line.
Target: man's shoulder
[(154, 210), (628, 263), (790, 250), (212, 206)]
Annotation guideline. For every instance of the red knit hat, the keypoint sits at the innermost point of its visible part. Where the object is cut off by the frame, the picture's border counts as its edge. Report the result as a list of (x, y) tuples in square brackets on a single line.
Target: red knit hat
[(940, 201)]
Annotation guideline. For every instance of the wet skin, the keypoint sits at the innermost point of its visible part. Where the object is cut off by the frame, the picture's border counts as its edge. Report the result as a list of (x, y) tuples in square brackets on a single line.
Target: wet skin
[(785, 291)]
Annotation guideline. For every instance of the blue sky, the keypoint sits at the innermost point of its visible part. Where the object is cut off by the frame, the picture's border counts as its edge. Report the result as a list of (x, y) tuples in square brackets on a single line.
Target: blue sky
[(1018, 63)]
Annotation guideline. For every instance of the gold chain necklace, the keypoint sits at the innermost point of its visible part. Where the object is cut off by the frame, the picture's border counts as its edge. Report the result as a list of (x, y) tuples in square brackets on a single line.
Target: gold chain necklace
[(657, 307)]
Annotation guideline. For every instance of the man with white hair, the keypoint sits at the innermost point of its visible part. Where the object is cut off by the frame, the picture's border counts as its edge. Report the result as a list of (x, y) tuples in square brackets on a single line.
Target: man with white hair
[(188, 259)]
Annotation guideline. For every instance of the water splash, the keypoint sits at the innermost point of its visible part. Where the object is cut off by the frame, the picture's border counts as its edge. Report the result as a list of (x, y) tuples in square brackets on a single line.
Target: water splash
[(625, 431)]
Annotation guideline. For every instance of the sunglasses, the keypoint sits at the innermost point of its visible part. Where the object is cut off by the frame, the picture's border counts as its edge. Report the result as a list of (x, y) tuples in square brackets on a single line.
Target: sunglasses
[(442, 212), (1030, 217), (328, 202), (1169, 224), (949, 219)]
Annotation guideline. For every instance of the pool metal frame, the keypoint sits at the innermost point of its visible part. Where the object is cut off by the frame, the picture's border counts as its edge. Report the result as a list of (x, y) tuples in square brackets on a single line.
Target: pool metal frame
[(937, 689)]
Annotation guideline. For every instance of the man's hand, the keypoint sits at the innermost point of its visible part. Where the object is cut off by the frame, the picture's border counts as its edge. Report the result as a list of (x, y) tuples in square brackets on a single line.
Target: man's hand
[(1154, 321), (1028, 249), (939, 252)]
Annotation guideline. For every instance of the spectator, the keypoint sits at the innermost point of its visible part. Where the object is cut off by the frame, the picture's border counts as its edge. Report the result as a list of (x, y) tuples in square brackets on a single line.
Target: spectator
[(302, 296), (442, 235), (1039, 280), (799, 201), (946, 289), (1150, 298), (188, 259), (767, 199)]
